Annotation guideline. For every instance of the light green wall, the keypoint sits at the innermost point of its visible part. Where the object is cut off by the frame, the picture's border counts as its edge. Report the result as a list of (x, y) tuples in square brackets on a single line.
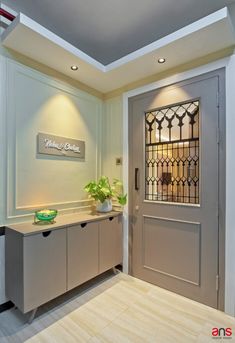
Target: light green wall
[(34, 99), (32, 102), (112, 137)]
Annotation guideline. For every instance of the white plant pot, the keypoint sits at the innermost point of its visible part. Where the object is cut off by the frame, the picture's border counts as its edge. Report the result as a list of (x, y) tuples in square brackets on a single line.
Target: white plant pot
[(105, 206)]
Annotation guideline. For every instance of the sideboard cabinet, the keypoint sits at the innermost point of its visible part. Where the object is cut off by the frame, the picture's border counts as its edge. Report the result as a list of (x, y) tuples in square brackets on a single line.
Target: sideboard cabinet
[(43, 262)]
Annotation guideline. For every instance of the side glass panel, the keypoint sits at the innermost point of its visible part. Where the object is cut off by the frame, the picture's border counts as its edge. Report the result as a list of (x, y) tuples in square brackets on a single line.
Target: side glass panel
[(172, 153)]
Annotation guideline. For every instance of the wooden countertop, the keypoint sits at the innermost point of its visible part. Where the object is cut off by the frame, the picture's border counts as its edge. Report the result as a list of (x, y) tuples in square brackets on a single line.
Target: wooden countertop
[(61, 221)]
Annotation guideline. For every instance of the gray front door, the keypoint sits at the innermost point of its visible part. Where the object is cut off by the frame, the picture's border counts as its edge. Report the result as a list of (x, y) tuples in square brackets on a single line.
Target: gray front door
[(174, 178)]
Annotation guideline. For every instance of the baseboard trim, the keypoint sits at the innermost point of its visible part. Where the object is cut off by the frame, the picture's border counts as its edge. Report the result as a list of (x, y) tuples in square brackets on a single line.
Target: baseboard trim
[(6, 306)]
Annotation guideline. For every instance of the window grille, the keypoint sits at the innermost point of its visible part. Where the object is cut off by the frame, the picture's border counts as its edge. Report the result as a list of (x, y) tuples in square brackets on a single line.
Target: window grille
[(172, 153)]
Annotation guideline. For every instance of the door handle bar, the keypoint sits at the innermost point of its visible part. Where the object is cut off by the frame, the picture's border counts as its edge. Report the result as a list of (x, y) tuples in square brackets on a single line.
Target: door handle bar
[(136, 179)]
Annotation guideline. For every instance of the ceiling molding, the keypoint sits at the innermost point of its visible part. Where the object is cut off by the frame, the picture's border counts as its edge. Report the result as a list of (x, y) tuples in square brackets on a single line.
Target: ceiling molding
[(55, 74), (192, 42), (169, 72)]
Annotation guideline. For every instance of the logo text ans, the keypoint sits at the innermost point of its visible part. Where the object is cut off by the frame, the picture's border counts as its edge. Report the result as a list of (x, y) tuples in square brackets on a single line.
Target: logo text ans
[(222, 333)]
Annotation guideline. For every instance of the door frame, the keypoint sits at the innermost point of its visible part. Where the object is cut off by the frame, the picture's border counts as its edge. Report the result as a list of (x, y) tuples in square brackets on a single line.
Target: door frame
[(181, 79)]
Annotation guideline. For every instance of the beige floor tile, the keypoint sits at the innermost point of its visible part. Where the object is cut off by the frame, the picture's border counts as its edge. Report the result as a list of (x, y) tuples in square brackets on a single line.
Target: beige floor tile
[(65, 330), (156, 324), (116, 309), (122, 332)]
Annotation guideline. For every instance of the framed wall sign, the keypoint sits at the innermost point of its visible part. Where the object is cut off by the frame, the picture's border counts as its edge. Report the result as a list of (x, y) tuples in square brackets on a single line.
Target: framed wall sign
[(60, 146)]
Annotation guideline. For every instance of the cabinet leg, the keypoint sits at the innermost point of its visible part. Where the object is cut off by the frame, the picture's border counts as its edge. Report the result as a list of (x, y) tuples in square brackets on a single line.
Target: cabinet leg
[(32, 315)]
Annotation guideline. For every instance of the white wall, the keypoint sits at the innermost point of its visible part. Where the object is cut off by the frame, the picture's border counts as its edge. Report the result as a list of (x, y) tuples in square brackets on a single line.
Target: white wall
[(230, 189), (112, 137), (32, 102)]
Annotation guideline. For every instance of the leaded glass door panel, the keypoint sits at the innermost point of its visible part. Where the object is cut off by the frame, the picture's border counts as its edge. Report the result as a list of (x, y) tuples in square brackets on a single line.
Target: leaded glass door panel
[(172, 159), (173, 170)]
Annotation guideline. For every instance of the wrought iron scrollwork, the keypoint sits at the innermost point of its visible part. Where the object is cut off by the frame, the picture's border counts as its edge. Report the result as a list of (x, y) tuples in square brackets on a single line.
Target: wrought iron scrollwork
[(172, 153)]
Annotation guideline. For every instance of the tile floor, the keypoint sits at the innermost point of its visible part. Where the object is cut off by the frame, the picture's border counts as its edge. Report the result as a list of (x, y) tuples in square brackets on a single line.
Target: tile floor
[(116, 309)]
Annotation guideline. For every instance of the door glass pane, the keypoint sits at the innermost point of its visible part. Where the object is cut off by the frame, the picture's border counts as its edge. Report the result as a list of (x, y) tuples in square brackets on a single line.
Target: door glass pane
[(172, 153)]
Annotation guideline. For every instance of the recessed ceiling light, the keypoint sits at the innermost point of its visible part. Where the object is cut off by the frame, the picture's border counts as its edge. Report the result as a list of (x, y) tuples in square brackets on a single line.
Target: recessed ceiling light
[(74, 68), (161, 60)]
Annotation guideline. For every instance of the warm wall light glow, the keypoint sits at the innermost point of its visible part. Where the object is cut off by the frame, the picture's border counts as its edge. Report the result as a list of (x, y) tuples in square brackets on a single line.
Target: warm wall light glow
[(161, 60), (59, 115), (74, 68)]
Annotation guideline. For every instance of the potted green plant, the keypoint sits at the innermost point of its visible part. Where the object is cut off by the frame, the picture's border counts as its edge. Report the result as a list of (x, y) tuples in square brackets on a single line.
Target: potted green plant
[(102, 191)]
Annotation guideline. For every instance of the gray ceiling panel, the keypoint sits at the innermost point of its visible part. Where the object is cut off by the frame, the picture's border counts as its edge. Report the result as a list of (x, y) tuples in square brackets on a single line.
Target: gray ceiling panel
[(109, 29)]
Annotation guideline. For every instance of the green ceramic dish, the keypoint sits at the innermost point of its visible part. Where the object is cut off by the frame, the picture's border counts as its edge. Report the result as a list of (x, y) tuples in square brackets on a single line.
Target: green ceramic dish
[(46, 215)]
